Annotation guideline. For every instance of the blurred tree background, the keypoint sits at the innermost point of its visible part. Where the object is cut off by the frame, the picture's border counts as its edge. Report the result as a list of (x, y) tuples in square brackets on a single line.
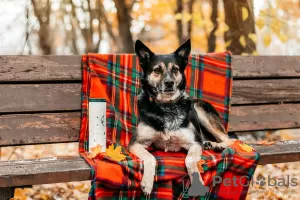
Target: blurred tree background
[(80, 26)]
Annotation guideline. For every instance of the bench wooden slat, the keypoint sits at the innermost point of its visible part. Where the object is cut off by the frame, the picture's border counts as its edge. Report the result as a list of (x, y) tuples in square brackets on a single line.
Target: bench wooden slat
[(40, 97), (263, 117), (18, 129), (43, 171), (266, 66), (49, 68), (53, 97), (281, 152), (265, 91), (66, 169), (40, 68), (39, 128)]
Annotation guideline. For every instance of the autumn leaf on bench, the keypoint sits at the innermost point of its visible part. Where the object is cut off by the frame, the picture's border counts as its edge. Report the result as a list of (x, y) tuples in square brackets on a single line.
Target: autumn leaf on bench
[(242, 148), (265, 143), (95, 151), (246, 147), (115, 153), (199, 165)]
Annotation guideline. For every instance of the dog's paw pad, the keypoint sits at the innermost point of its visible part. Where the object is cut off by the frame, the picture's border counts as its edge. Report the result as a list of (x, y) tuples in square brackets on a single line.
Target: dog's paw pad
[(207, 145), (219, 148)]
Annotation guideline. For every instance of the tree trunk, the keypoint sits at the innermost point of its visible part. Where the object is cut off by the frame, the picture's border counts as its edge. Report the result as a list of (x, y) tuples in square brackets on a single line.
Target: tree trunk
[(108, 25), (124, 20), (239, 28), (214, 17), (179, 22), (190, 23), (43, 15)]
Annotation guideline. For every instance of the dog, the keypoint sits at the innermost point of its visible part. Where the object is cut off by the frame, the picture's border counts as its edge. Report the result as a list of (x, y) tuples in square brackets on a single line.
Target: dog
[(168, 118)]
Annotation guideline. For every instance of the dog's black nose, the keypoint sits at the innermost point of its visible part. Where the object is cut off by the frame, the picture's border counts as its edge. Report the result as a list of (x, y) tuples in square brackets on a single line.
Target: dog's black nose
[(169, 84)]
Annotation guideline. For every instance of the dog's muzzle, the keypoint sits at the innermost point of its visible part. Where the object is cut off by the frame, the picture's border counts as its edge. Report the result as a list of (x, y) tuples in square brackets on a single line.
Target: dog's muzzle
[(169, 86)]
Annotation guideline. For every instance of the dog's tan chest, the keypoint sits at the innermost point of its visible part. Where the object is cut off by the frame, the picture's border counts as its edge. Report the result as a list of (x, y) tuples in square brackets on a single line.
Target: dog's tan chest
[(175, 140), (168, 140)]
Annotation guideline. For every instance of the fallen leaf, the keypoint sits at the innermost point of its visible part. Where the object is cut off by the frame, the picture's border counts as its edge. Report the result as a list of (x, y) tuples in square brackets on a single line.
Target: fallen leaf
[(19, 194), (95, 151), (246, 147), (116, 153), (199, 164), (265, 143)]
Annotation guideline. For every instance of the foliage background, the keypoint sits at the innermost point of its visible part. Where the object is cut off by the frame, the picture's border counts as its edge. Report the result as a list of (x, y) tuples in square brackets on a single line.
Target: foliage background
[(63, 27)]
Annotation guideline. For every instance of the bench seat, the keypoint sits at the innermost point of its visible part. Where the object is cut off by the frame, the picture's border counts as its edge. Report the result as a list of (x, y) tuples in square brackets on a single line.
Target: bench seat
[(67, 169)]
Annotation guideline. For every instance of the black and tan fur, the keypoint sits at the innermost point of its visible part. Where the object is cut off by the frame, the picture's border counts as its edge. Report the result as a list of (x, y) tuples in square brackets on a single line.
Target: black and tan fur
[(169, 119)]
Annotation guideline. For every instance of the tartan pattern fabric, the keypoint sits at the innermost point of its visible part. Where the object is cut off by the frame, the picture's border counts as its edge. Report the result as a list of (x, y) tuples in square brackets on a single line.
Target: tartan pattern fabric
[(115, 78)]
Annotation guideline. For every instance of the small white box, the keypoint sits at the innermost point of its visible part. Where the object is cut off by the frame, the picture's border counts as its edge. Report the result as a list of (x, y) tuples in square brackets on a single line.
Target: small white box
[(97, 123)]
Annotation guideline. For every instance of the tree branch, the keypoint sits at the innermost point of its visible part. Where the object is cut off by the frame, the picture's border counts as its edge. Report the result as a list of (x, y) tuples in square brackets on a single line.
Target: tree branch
[(190, 23), (179, 22), (214, 17)]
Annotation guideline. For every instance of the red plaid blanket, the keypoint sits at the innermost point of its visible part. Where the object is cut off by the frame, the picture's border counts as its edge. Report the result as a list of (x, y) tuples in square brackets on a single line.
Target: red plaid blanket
[(115, 78)]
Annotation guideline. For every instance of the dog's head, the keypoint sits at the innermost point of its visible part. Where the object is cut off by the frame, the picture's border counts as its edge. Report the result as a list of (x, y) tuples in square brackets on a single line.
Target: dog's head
[(164, 77)]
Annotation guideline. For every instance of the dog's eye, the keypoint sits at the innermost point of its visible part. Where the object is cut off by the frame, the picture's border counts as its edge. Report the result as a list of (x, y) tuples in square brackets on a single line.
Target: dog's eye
[(175, 70), (157, 70)]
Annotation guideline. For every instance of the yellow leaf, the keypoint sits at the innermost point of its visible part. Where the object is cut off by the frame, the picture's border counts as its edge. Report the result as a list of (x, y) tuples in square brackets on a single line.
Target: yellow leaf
[(263, 13), (276, 27), (187, 17), (265, 143), (255, 53), (245, 13), (243, 41), (228, 43), (246, 147), (226, 27), (178, 16), (116, 153), (267, 39), (252, 36), (272, 12), (199, 164), (95, 151), (283, 38), (260, 23)]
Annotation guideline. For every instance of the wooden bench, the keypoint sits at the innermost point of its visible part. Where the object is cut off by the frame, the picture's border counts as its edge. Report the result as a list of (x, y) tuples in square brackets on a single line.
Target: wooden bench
[(40, 104)]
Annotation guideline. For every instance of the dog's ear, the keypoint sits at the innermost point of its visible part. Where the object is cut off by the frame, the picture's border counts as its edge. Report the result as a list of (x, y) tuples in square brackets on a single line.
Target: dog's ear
[(142, 51), (184, 51)]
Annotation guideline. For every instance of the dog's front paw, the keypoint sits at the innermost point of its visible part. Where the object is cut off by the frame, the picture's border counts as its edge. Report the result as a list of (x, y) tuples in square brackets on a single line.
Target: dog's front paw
[(207, 145), (214, 146), (147, 183)]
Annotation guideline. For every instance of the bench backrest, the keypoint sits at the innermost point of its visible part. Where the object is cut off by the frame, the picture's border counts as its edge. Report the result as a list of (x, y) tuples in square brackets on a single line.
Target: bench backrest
[(40, 97)]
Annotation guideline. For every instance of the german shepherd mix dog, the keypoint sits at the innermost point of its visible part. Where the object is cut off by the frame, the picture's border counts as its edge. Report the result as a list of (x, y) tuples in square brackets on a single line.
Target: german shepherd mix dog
[(169, 119)]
